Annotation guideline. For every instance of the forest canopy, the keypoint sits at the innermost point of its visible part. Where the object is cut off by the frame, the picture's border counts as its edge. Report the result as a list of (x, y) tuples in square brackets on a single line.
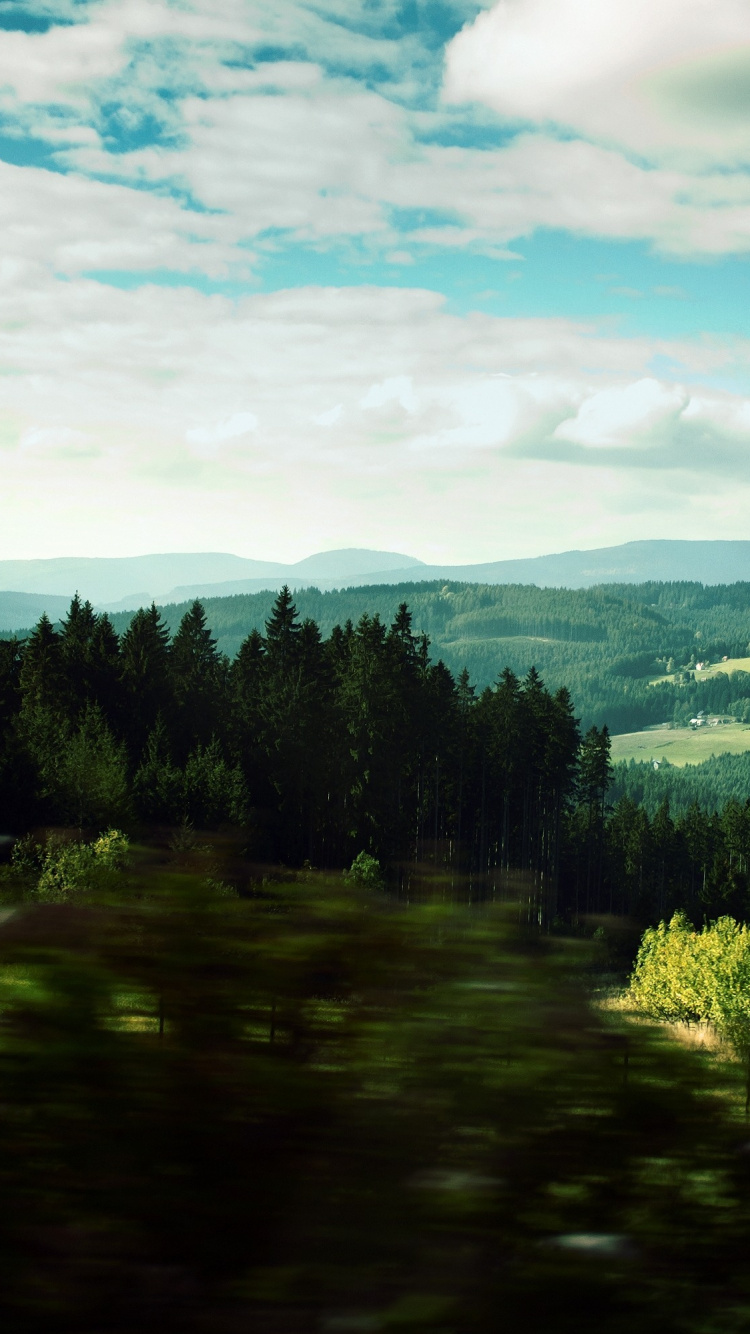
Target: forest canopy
[(321, 748)]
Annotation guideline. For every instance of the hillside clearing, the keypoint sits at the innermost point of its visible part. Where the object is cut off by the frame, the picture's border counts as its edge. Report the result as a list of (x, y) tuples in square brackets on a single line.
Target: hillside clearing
[(682, 745), (727, 667)]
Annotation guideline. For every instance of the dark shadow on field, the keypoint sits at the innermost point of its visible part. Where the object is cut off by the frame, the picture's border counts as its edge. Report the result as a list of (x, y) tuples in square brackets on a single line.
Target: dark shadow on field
[(285, 1104)]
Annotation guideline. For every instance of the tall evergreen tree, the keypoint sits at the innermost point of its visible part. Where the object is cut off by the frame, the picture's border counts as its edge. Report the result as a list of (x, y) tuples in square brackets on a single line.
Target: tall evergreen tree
[(198, 675), (294, 717), (282, 636), (76, 643), (11, 657), (145, 677), (42, 677), (106, 674)]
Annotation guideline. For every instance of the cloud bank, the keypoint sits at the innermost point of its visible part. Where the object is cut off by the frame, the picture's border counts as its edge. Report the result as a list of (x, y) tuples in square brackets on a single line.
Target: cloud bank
[(172, 178)]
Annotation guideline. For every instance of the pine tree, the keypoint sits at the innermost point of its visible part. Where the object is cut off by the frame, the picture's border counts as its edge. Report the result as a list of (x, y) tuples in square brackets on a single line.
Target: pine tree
[(42, 677), (594, 779), (197, 675), (282, 635), (298, 732), (91, 785), (157, 783), (106, 673), (11, 656), (213, 792), (145, 677), (76, 641)]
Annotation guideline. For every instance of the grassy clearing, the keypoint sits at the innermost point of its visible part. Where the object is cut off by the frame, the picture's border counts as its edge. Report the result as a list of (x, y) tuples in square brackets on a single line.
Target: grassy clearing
[(728, 668), (681, 745), (725, 1074), (517, 641)]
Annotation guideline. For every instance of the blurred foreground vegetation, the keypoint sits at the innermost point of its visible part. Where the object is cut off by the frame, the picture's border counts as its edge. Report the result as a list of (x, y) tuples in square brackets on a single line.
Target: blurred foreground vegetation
[(234, 1103)]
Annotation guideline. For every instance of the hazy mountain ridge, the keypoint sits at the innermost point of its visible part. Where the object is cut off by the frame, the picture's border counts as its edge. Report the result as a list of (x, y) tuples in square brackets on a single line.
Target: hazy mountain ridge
[(125, 583)]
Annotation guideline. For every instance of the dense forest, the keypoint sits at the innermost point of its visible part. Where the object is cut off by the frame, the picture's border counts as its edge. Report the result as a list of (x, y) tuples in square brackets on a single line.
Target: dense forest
[(605, 644), (321, 748), (241, 1089)]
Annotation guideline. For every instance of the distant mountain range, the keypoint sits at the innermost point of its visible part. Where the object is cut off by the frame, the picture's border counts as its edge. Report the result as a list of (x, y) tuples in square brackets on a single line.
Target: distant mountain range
[(127, 582)]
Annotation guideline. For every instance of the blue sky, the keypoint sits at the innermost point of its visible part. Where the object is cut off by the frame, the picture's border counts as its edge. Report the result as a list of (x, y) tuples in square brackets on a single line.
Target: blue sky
[(466, 280)]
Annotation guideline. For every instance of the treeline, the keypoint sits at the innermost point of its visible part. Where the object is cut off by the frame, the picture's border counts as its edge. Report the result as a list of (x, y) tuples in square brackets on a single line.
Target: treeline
[(320, 749), (605, 644), (655, 865), (710, 785)]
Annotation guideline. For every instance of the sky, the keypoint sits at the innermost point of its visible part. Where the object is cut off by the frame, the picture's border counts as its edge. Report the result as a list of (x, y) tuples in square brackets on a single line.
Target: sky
[(459, 279)]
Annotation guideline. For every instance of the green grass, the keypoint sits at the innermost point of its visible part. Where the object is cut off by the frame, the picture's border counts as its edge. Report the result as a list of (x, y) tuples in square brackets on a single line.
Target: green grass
[(727, 668), (682, 745)]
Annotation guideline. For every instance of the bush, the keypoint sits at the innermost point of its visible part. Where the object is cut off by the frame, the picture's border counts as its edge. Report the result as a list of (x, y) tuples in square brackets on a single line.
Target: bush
[(59, 870), (365, 872), (703, 976)]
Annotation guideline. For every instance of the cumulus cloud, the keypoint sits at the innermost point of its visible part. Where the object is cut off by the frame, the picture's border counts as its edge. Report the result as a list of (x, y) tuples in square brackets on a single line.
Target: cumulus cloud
[(300, 149), (232, 428), (614, 415), (667, 79), (330, 417), (60, 64), (197, 420), (397, 389), (166, 411), (69, 226)]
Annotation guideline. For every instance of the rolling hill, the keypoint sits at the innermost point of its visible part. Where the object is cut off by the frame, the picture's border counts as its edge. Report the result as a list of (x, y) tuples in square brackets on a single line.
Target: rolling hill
[(125, 583)]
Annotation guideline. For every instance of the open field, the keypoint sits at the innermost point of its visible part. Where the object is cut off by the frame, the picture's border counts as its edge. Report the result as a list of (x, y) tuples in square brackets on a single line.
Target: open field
[(728, 668), (731, 665), (681, 745)]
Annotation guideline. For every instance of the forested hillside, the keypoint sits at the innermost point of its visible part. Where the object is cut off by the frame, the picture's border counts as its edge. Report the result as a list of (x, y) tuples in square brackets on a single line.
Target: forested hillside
[(322, 747), (604, 644)]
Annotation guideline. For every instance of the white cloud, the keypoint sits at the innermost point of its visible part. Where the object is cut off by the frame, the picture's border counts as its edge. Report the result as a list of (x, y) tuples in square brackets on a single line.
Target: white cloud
[(65, 441), (286, 152), (232, 428), (617, 415), (68, 225), (326, 160), (396, 389), (60, 64), (330, 417), (664, 78), (129, 408)]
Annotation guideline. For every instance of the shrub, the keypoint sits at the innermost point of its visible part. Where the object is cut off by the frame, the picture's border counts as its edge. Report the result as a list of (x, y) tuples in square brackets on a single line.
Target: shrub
[(365, 872), (686, 975), (68, 869)]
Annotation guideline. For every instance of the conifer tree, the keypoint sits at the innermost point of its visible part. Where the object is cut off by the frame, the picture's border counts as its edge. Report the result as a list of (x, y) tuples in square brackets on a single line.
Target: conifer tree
[(294, 715), (145, 677), (282, 636), (197, 675), (105, 673), (90, 784), (42, 679), (76, 641), (157, 783), (11, 655)]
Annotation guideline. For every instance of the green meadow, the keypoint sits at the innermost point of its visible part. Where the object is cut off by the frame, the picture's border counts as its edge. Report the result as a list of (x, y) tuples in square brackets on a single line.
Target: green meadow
[(682, 745)]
